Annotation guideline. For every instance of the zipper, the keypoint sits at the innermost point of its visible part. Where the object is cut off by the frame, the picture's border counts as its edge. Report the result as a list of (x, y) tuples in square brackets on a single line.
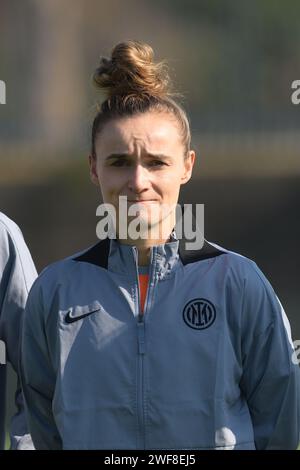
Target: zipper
[(142, 350), (140, 374), (140, 395)]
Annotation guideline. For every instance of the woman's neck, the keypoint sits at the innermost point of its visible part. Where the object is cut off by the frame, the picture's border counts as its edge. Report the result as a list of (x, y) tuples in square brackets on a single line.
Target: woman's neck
[(144, 256), (144, 248), (144, 245)]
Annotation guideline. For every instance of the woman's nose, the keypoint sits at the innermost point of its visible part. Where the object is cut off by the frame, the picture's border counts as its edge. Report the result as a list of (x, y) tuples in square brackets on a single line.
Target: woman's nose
[(139, 179)]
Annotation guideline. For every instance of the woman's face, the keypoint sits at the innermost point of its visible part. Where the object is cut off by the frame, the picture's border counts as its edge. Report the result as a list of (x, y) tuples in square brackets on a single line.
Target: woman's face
[(142, 157)]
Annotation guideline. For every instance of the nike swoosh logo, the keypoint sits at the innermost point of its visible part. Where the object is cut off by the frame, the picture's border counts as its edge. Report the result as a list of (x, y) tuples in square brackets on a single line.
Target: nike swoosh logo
[(70, 319)]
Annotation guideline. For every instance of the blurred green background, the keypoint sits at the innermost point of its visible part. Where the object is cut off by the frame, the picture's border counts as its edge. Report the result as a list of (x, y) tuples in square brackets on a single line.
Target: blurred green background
[(233, 61)]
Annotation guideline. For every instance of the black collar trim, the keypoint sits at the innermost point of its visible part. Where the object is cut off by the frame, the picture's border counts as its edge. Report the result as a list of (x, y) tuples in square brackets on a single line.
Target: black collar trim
[(192, 256), (98, 254)]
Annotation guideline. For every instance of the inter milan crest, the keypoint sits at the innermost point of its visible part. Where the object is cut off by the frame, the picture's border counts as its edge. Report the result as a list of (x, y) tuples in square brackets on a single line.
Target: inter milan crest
[(199, 314)]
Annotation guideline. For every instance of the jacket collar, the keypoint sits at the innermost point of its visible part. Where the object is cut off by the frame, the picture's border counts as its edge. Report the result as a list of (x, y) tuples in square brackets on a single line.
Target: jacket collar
[(124, 258), (113, 255)]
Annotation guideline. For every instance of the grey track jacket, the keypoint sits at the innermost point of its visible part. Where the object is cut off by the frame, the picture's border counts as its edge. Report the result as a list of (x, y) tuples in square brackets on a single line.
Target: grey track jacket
[(17, 273), (208, 366)]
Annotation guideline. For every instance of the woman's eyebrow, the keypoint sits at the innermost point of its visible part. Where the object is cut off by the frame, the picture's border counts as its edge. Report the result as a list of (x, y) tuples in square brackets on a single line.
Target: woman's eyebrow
[(117, 155), (159, 155), (126, 155)]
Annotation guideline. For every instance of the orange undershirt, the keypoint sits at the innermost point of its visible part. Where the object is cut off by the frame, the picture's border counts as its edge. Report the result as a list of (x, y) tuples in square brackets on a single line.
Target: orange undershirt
[(143, 280)]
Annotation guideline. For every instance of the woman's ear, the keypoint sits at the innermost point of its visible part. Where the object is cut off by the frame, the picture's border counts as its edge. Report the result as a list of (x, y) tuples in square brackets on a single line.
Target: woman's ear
[(188, 166), (93, 169)]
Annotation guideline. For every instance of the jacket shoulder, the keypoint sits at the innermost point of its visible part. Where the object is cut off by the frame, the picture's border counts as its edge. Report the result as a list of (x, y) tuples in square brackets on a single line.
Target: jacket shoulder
[(243, 272), (9, 230), (59, 271)]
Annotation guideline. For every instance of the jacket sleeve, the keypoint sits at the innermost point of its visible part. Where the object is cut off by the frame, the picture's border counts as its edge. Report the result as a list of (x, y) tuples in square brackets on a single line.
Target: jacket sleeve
[(38, 374), (271, 377), (17, 275)]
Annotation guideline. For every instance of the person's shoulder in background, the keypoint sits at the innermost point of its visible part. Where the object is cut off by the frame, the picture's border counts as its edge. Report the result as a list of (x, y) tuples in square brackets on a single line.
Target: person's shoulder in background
[(14, 248), (17, 273)]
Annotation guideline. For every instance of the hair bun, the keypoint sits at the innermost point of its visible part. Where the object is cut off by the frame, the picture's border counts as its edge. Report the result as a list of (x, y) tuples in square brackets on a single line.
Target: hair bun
[(131, 70)]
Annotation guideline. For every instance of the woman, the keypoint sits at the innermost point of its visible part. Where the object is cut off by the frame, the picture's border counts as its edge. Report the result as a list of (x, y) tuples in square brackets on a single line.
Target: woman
[(141, 343)]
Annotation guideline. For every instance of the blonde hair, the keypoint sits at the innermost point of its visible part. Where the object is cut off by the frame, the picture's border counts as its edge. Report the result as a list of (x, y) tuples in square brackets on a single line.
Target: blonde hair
[(135, 84)]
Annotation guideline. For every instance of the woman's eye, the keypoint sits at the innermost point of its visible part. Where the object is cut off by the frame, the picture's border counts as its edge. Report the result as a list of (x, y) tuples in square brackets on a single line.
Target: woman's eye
[(157, 163), (120, 163)]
